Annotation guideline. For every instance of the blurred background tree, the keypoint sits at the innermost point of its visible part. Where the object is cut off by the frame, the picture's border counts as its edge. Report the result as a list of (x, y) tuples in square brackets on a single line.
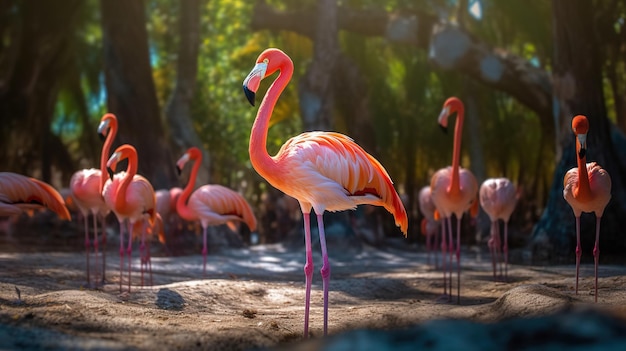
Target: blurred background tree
[(393, 63)]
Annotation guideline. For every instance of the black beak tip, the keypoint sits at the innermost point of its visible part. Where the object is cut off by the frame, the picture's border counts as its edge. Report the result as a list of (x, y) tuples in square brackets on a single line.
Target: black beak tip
[(444, 129), (582, 153), (110, 171), (179, 170), (249, 94), (102, 137)]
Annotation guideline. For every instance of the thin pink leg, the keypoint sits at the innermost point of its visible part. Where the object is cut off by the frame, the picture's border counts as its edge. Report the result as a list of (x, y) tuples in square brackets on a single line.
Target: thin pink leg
[(458, 260), (444, 249), (121, 252), (506, 250), (95, 246), (204, 251), (308, 270), (436, 245), (142, 252), (325, 271), (497, 250), (450, 251), (492, 244), (578, 250), (86, 218), (104, 246), (596, 253), (129, 251)]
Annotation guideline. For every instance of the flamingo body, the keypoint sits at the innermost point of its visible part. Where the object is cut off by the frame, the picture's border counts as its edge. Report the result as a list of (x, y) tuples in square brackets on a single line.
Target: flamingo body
[(19, 193), (324, 171)]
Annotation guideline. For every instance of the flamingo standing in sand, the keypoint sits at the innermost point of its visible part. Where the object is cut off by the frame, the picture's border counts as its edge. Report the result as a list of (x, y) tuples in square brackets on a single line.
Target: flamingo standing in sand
[(20, 193), (324, 171), (132, 199), (86, 187), (498, 197), (453, 188), (587, 188), (429, 224), (151, 229), (211, 204)]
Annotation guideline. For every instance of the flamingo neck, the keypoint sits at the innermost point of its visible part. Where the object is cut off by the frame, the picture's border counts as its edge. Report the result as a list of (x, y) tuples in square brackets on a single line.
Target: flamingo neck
[(104, 156), (259, 157), (120, 201), (455, 187), (181, 204), (583, 192)]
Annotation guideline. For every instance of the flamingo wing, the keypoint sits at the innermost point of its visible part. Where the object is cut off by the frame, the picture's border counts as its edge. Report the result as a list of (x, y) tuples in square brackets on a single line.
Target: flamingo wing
[(85, 188), (18, 192), (216, 204), (331, 172)]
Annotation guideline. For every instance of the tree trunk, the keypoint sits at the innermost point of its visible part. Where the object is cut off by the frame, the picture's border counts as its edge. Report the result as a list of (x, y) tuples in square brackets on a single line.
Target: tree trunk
[(131, 94), (578, 90), (315, 90), (178, 110)]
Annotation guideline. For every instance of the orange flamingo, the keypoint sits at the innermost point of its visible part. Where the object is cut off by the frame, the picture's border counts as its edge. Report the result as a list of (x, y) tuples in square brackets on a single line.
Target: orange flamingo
[(20, 193), (324, 171), (453, 188), (429, 224), (211, 204), (587, 188), (498, 198), (86, 186), (132, 199)]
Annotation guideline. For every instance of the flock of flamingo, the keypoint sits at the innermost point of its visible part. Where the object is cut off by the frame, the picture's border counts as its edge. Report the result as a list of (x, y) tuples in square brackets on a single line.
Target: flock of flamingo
[(323, 171)]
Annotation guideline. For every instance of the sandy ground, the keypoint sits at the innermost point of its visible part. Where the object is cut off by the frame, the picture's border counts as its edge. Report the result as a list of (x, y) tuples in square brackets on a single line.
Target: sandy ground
[(253, 297)]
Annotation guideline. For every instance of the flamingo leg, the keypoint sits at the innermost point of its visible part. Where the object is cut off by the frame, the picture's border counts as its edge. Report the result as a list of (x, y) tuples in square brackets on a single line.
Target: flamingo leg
[(450, 250), (121, 251), (497, 245), (596, 254), (129, 250), (308, 270), (492, 244), (578, 250), (506, 251), (142, 251), (86, 219), (458, 260), (444, 248), (95, 245), (204, 250), (325, 271), (436, 244), (104, 245)]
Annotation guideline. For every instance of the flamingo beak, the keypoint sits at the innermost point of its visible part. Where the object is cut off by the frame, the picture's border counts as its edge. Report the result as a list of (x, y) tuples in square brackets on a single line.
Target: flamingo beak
[(582, 140), (110, 171), (102, 128), (253, 80), (443, 118)]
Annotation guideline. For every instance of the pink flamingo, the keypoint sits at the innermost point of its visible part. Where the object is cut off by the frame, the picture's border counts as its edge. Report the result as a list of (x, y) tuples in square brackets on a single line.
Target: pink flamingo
[(498, 198), (86, 186), (587, 188), (324, 171), (453, 189), (211, 204), (151, 229), (20, 193), (132, 199), (429, 224)]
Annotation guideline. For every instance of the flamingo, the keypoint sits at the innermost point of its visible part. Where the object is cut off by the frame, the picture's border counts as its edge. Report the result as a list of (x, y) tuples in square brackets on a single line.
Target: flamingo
[(20, 193), (429, 224), (498, 198), (152, 229), (132, 199), (212, 204), (324, 171), (587, 188), (86, 188), (453, 188)]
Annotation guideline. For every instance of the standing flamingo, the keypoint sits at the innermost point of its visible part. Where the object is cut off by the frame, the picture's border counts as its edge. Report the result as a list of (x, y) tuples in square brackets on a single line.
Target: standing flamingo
[(211, 204), (86, 186), (151, 229), (587, 188), (498, 198), (324, 171), (453, 188), (132, 199), (19, 193), (429, 224)]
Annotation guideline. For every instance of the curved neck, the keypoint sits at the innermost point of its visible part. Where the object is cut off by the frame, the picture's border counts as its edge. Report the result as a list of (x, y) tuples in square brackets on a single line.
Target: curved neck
[(456, 153), (259, 157), (104, 156), (181, 204), (583, 190), (128, 177)]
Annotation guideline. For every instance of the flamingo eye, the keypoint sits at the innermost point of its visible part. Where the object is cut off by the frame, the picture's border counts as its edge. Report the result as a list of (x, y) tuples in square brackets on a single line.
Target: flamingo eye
[(266, 61)]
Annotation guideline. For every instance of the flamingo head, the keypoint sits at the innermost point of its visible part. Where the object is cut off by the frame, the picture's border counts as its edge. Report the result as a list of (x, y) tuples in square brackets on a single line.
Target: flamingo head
[(122, 152), (107, 122), (580, 127), (193, 153), (452, 104), (268, 62)]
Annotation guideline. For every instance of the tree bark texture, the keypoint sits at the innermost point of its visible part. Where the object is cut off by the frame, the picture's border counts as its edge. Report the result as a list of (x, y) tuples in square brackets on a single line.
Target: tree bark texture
[(131, 91)]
